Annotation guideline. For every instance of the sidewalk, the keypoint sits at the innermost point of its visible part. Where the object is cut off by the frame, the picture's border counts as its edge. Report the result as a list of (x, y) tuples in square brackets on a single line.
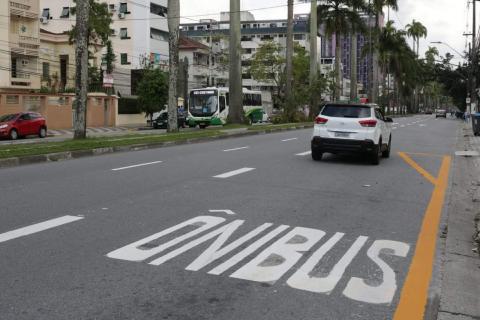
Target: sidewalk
[(460, 286)]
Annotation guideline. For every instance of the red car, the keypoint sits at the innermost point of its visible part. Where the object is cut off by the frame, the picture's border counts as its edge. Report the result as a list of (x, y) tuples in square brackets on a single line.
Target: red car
[(22, 124)]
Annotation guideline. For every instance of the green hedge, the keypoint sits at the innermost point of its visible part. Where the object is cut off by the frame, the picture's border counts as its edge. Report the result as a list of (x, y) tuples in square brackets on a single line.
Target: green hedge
[(128, 106)]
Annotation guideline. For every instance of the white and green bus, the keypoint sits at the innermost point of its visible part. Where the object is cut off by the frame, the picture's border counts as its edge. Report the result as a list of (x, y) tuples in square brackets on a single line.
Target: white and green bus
[(210, 106)]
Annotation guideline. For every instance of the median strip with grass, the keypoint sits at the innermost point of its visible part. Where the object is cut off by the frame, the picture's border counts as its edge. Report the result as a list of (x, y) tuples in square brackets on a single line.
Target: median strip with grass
[(31, 149)]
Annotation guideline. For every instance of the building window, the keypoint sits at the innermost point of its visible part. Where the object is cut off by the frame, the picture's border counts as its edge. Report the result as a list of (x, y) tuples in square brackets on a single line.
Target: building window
[(298, 37), (45, 71), (123, 8), (65, 12), (13, 99), (158, 34), (124, 33), (158, 9), (46, 13), (124, 58)]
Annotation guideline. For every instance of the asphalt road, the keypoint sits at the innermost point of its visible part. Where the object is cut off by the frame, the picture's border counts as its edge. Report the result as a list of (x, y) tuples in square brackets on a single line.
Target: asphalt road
[(138, 237)]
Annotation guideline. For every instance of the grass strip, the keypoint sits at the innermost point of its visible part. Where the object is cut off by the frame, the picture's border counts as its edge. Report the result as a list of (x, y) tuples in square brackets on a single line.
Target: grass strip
[(30, 149)]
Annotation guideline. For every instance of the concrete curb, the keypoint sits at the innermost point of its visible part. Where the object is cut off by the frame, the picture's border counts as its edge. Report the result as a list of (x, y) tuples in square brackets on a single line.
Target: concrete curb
[(69, 155)]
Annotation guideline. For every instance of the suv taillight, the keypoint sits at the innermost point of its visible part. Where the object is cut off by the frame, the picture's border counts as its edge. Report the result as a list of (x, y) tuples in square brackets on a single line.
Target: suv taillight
[(320, 120), (368, 123)]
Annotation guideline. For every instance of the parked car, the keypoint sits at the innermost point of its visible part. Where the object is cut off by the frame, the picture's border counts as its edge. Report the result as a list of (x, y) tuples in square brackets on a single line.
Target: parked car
[(440, 113), (352, 128), (161, 122), (22, 124)]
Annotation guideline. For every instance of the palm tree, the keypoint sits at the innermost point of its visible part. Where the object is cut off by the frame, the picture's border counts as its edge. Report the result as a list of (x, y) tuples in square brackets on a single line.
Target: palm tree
[(376, 8), (339, 17), (398, 59), (416, 30)]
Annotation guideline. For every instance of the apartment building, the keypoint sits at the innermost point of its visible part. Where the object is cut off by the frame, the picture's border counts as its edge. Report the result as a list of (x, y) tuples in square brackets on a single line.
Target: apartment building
[(215, 34), (19, 45), (139, 32)]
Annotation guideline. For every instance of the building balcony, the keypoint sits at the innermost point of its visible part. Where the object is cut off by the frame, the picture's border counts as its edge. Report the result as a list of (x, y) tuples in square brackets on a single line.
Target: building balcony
[(24, 8), (24, 45)]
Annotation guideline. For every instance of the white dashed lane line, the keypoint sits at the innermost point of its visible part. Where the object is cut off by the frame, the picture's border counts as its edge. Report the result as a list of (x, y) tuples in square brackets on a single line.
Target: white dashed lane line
[(236, 149), (137, 165), (291, 139), (38, 227), (233, 173), (304, 153)]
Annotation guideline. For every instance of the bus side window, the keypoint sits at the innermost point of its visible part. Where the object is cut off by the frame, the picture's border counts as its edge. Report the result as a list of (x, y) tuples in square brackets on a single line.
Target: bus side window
[(222, 103)]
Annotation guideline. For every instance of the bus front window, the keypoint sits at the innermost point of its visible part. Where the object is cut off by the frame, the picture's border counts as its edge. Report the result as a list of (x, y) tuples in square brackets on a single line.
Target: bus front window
[(203, 103)]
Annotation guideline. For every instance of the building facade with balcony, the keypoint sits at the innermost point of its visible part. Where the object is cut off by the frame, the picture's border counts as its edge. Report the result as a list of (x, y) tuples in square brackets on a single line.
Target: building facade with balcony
[(19, 45), (139, 32)]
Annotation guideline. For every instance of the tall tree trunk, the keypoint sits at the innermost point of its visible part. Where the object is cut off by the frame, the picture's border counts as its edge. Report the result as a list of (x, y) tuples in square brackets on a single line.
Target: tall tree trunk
[(338, 68), (289, 60), (374, 60), (313, 51), (235, 78), (353, 67), (173, 26), (81, 67)]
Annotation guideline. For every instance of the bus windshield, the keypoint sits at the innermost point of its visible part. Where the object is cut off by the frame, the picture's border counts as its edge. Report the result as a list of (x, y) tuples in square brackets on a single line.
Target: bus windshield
[(203, 103)]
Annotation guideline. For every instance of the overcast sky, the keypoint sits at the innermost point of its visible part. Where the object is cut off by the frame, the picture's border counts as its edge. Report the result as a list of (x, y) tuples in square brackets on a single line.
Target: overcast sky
[(446, 20)]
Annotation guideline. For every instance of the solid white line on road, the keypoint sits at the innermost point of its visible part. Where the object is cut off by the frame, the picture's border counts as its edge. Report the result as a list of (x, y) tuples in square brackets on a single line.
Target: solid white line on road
[(304, 153), (137, 165), (235, 149), (34, 228), (233, 173), (289, 139)]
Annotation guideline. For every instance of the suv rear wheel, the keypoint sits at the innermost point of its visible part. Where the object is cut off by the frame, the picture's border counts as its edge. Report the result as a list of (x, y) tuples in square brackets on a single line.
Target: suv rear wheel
[(386, 153), (317, 154), (376, 154)]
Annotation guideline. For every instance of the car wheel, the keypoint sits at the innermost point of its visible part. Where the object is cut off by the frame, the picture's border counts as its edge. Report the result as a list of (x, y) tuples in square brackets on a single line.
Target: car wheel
[(386, 153), (13, 134), (317, 154), (202, 126), (43, 132), (376, 154)]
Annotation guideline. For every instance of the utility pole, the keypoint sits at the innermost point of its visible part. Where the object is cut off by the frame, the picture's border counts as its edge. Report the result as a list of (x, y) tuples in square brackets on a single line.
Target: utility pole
[(235, 76), (289, 60), (313, 50), (81, 70), (173, 34)]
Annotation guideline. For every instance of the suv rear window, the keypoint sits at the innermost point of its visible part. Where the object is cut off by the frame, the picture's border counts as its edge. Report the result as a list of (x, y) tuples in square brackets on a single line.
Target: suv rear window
[(346, 111)]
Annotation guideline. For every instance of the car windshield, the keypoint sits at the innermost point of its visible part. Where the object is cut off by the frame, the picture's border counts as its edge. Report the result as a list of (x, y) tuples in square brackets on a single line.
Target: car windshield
[(346, 111), (7, 117), (203, 103)]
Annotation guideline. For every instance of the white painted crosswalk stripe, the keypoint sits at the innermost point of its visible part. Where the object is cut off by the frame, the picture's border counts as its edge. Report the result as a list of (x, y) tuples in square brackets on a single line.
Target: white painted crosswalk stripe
[(236, 149), (304, 153), (137, 165), (233, 173), (34, 228)]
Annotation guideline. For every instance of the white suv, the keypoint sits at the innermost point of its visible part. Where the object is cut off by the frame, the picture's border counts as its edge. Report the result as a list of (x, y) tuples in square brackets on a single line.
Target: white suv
[(352, 128)]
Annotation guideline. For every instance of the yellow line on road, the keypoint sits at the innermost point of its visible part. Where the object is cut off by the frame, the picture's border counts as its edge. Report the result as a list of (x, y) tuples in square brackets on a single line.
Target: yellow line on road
[(413, 298), (420, 170)]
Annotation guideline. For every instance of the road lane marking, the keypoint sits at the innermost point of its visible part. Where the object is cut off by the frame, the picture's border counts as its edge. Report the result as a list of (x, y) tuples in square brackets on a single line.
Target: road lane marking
[(229, 212), (267, 253), (235, 149), (420, 170), (291, 139), (233, 173), (402, 126), (304, 153), (38, 227), (413, 298), (137, 165)]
